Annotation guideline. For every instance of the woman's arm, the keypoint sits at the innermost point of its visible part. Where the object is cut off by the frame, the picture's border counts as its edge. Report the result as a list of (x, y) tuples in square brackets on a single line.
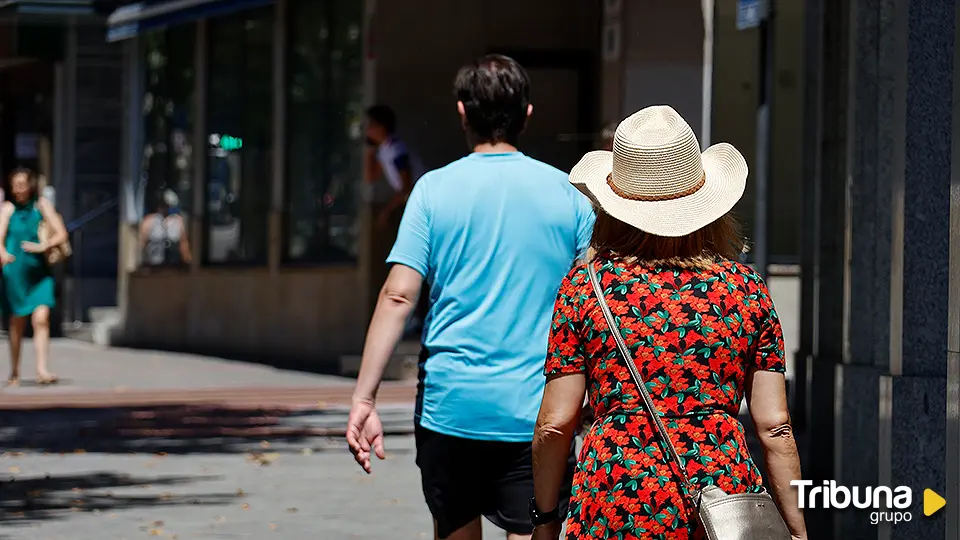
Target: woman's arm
[(185, 250), (58, 231), (6, 210), (767, 400), (145, 225), (556, 426)]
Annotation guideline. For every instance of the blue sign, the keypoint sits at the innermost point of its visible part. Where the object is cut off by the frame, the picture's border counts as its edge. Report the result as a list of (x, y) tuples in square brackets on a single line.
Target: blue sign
[(750, 13)]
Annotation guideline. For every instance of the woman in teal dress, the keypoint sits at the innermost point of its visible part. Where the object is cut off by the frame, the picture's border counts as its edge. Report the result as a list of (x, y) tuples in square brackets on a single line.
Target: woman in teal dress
[(28, 282)]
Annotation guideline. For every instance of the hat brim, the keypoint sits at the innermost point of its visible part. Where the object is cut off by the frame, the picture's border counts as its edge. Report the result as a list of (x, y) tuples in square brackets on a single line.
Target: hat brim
[(725, 178)]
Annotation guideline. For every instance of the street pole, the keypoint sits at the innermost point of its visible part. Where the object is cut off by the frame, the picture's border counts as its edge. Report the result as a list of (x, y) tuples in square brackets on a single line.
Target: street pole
[(762, 181)]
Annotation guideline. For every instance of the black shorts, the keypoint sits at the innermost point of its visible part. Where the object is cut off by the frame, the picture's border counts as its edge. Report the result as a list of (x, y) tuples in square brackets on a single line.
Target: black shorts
[(464, 479)]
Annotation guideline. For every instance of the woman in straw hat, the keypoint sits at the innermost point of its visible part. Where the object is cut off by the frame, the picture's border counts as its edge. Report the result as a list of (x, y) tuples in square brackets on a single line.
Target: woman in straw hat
[(702, 332)]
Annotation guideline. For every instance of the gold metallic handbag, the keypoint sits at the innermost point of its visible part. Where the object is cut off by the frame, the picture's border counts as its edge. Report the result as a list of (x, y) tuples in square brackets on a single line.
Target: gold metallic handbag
[(54, 254), (741, 516)]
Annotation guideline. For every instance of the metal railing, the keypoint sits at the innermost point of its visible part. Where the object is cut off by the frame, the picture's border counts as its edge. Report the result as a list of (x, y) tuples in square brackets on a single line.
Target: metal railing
[(75, 233)]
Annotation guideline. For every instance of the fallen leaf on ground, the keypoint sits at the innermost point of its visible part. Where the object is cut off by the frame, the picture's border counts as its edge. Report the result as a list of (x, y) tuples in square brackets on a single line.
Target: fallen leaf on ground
[(15, 470), (292, 510), (263, 459), (241, 493), (166, 496), (160, 454), (273, 526), (245, 506), (156, 532), (79, 451)]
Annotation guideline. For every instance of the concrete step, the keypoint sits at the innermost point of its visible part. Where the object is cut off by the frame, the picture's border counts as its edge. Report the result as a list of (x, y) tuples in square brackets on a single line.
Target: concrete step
[(99, 331), (79, 331)]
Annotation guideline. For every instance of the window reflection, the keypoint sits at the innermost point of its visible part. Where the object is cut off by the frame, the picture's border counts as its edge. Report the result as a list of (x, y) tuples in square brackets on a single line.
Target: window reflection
[(324, 117), (239, 142), (166, 174)]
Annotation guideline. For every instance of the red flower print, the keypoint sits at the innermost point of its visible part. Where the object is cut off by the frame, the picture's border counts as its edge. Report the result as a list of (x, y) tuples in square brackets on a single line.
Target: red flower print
[(694, 335)]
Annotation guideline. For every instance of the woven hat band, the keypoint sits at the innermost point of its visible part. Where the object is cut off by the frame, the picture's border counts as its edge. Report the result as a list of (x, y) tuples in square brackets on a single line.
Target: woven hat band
[(652, 198)]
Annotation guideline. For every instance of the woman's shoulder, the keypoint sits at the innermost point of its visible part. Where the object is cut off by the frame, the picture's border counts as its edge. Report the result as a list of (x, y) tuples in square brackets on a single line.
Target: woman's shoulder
[(578, 275)]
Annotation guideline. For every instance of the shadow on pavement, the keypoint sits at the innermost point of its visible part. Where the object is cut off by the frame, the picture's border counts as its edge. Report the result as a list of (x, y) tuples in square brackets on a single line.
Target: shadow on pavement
[(166, 429), (23, 501)]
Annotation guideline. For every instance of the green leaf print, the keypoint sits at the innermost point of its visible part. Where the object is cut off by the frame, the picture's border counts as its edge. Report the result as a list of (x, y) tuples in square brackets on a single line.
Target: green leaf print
[(713, 439), (706, 351), (660, 517), (647, 508)]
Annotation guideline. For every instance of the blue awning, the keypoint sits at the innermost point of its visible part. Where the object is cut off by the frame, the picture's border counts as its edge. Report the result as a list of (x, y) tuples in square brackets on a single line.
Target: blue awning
[(48, 7), (129, 21)]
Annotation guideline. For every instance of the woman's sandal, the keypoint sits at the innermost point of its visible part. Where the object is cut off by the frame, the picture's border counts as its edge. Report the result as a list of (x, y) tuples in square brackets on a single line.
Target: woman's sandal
[(48, 380), (13, 382)]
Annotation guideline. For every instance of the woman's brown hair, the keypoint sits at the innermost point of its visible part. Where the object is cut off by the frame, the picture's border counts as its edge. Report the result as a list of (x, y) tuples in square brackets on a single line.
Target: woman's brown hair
[(33, 180), (698, 250)]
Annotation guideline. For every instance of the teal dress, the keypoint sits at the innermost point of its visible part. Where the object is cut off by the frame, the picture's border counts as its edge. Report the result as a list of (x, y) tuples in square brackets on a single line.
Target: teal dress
[(28, 282)]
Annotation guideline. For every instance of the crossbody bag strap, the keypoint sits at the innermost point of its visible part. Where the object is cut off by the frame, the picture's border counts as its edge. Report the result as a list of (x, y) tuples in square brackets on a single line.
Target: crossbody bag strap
[(638, 380)]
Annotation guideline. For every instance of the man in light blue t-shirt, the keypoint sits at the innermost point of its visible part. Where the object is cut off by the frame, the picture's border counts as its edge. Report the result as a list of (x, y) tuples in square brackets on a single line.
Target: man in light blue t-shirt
[(493, 234)]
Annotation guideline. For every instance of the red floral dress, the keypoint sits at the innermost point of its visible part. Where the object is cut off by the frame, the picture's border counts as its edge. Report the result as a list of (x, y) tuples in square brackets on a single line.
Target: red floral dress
[(695, 335)]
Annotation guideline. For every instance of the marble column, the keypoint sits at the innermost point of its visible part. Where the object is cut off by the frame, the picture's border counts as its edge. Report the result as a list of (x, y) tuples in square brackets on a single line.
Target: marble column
[(887, 321), (920, 282), (831, 268)]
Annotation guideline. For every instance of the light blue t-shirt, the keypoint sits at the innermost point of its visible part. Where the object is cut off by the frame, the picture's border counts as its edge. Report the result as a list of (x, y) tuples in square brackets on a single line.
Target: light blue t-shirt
[(494, 235)]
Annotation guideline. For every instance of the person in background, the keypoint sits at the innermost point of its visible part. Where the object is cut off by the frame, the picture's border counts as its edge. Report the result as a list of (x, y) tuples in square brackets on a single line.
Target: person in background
[(391, 171), (606, 136), (702, 333), (28, 282), (493, 233), (163, 234)]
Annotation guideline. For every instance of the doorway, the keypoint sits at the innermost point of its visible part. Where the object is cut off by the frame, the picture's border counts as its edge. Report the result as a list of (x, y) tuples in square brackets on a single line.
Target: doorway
[(562, 89)]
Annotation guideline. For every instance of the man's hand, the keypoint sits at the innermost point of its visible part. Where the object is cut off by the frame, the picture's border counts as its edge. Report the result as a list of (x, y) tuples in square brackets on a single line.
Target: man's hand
[(365, 432), (550, 531)]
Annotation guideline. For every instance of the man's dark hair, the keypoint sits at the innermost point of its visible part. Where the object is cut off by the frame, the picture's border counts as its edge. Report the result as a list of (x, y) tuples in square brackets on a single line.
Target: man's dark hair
[(384, 116), (495, 92)]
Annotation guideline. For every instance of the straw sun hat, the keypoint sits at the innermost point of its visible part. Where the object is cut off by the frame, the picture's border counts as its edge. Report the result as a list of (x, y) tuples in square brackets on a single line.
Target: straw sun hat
[(656, 178)]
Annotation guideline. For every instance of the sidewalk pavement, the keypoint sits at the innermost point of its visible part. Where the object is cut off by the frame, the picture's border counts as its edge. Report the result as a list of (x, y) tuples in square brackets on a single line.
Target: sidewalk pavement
[(120, 400), (139, 444)]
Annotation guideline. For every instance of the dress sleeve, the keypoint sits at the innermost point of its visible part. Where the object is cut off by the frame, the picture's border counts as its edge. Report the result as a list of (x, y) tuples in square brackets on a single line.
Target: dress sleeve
[(770, 353), (565, 353)]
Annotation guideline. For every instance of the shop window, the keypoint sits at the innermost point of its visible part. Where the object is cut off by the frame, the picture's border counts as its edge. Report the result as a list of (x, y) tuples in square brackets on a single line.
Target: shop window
[(167, 164), (324, 119), (239, 140)]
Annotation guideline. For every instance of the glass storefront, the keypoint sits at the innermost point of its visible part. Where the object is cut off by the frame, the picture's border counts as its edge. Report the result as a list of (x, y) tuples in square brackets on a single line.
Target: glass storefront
[(240, 140), (323, 82), (324, 118), (167, 165)]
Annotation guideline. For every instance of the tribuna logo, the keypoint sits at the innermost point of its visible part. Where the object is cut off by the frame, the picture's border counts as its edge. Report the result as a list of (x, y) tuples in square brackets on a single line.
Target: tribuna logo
[(830, 495)]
